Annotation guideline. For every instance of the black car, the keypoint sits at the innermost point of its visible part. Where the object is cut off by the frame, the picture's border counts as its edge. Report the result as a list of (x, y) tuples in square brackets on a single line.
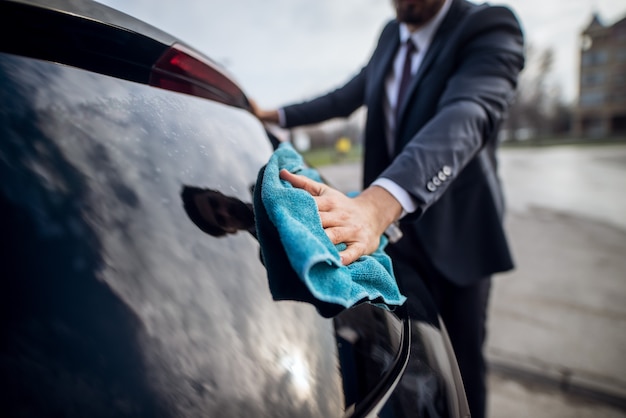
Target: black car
[(132, 282)]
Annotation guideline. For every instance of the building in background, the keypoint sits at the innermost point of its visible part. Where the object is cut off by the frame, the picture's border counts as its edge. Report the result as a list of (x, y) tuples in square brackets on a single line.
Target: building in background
[(601, 109)]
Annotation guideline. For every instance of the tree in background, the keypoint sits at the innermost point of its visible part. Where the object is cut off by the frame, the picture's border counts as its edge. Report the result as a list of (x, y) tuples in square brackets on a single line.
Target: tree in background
[(538, 109)]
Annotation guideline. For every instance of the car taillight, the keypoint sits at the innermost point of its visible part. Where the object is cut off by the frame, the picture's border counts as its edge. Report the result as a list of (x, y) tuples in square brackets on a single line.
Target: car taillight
[(181, 70)]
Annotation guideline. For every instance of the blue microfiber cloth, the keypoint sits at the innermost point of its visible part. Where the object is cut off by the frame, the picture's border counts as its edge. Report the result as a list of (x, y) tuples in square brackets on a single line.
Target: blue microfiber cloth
[(302, 263)]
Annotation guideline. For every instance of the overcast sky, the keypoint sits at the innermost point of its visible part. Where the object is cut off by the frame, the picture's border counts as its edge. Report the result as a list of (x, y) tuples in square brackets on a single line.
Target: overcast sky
[(285, 50)]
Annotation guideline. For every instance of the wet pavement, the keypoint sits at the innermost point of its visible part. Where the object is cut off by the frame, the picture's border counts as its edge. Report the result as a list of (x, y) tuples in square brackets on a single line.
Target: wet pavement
[(557, 325)]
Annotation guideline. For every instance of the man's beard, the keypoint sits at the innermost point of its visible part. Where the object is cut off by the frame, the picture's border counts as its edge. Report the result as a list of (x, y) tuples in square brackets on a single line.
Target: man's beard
[(417, 14)]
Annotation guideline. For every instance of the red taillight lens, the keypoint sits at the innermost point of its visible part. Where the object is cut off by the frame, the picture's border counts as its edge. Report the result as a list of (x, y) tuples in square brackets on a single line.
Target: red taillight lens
[(180, 69)]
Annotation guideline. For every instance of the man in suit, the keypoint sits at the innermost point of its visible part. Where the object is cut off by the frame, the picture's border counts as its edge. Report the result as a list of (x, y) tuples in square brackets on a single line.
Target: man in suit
[(430, 160)]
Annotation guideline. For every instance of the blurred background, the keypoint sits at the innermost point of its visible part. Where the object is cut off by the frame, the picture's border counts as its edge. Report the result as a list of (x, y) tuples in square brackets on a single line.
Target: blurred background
[(284, 50), (281, 51), (557, 327)]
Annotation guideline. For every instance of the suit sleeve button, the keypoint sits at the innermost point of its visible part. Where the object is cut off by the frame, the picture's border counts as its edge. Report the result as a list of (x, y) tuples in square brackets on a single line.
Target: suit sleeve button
[(436, 181), (441, 176), (447, 170), (431, 186)]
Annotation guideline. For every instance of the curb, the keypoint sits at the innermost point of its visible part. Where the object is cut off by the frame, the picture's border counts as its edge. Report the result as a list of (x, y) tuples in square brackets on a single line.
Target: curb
[(563, 381)]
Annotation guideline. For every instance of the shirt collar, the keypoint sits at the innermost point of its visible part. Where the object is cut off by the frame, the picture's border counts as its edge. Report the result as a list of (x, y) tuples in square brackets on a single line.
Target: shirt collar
[(424, 35)]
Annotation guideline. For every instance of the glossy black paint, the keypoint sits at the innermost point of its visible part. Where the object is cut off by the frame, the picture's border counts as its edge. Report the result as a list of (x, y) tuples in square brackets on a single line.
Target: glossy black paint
[(132, 283), (113, 300), (91, 36), (64, 35)]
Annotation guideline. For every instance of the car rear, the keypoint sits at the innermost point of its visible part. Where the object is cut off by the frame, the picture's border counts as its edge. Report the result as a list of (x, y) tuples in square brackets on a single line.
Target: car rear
[(115, 300)]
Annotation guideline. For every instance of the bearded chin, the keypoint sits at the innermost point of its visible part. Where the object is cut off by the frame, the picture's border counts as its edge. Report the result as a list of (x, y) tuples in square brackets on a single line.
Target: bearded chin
[(409, 14)]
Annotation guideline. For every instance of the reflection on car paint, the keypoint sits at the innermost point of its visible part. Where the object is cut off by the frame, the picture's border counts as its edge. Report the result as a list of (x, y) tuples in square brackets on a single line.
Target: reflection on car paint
[(113, 300), (369, 340), (217, 214), (114, 304)]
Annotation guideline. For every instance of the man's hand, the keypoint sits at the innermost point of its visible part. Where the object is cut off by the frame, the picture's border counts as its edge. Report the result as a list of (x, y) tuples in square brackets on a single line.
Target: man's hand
[(263, 115), (358, 222)]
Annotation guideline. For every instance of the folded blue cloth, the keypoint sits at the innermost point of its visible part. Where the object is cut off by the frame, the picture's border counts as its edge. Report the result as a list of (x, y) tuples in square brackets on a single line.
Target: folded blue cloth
[(292, 240)]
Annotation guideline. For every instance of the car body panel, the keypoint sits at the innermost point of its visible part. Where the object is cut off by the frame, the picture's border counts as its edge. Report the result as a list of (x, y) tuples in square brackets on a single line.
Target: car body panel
[(118, 267), (117, 300)]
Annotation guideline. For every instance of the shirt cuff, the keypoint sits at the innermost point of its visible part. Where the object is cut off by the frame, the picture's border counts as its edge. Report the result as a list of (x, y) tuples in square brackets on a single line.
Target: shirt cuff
[(401, 195)]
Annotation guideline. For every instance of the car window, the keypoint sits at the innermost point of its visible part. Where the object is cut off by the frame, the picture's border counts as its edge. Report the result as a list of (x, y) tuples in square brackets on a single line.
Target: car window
[(114, 302)]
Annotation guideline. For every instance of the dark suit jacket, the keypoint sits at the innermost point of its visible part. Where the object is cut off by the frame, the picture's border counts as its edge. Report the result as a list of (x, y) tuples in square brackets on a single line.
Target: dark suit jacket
[(447, 129)]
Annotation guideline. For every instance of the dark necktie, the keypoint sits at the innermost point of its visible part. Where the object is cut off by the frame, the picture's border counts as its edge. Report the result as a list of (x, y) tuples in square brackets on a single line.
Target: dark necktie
[(406, 73)]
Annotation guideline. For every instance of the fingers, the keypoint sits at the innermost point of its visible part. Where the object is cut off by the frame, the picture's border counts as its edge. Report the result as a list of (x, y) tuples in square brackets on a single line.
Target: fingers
[(326, 198), (342, 219), (255, 109), (357, 243), (302, 182), (353, 251), (269, 115), (350, 255)]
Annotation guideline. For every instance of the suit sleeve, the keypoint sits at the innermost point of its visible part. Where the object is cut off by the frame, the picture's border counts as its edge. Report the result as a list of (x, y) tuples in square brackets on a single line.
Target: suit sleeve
[(469, 111)]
